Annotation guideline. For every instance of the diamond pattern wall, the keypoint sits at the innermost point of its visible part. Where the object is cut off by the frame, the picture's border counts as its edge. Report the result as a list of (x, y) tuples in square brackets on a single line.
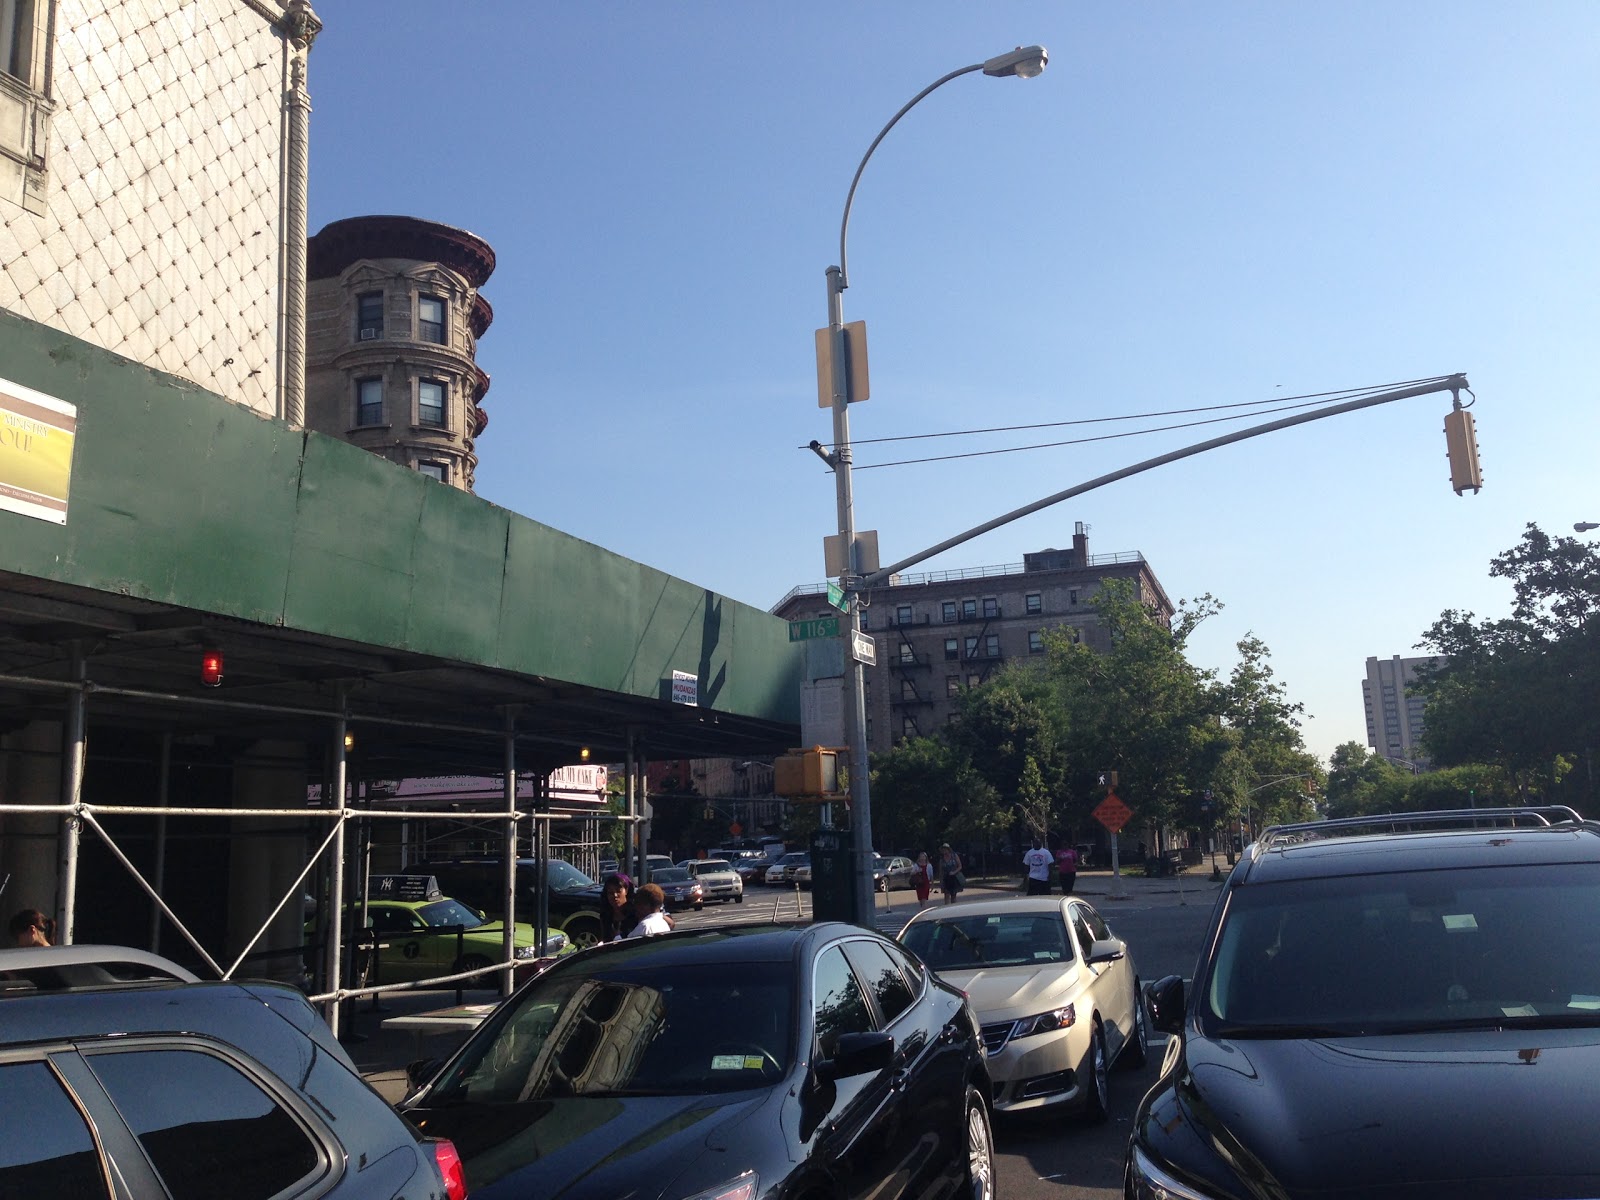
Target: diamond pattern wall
[(161, 237)]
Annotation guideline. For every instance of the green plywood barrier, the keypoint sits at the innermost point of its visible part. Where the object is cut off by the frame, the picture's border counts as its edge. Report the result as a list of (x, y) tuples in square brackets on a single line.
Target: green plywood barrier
[(180, 497)]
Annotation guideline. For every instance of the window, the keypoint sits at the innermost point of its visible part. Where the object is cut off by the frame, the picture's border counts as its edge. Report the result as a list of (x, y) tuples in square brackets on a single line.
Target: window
[(969, 610), (1034, 604), (991, 607), (952, 685), (46, 1149), (908, 653), (952, 648), (972, 647), (430, 402), (208, 1128), (902, 614), (25, 34), (1072, 595), (947, 612), (16, 39), (841, 1007), (884, 982), (908, 690), (430, 319), (1035, 642), (908, 726), (991, 645), (974, 680), (369, 316), (369, 402), (434, 470)]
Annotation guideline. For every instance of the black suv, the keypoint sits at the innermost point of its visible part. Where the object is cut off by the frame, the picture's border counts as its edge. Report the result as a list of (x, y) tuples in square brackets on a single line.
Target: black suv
[(1400, 1006), (480, 882), (121, 1076)]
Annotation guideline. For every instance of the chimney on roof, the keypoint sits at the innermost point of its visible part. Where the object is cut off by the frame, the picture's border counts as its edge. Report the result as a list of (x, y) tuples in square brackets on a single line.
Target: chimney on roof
[(1080, 545)]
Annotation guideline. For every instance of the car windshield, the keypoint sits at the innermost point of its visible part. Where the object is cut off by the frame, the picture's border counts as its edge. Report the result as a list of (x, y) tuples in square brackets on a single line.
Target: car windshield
[(1000, 940), (1409, 951), (564, 877), (623, 1026), (880, 863), (669, 875), (448, 912)]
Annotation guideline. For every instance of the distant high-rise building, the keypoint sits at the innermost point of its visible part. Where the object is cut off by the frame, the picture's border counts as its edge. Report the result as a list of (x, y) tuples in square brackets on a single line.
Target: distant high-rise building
[(1394, 719)]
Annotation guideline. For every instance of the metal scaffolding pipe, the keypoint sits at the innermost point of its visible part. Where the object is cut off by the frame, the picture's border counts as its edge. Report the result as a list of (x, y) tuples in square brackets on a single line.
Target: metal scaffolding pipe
[(72, 796), (335, 922), (509, 882), (296, 886)]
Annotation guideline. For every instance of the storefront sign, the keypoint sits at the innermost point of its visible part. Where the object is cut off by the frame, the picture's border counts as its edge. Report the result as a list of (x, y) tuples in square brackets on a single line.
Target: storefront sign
[(36, 437)]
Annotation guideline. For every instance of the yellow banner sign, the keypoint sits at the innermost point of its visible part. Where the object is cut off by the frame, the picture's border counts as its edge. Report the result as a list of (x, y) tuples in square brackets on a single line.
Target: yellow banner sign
[(37, 433)]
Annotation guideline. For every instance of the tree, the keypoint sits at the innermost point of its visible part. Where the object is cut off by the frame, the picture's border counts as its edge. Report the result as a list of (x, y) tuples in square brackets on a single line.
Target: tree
[(925, 791), (1010, 726), (1519, 692)]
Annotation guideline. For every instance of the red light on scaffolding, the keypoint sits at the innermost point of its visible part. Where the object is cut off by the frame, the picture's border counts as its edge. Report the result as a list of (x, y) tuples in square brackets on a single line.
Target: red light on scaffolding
[(211, 668)]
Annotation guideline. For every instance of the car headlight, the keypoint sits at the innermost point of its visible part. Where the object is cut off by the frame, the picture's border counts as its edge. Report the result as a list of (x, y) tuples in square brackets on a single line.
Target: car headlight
[(1046, 1022), (1149, 1182), (523, 952), (742, 1187)]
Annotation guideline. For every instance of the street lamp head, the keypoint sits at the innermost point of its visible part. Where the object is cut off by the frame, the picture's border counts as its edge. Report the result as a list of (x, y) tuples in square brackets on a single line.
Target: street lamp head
[(1585, 526), (1024, 62)]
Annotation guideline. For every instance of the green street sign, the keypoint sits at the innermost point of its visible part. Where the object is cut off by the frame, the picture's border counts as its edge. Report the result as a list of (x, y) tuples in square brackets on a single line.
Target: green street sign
[(836, 597), (818, 627)]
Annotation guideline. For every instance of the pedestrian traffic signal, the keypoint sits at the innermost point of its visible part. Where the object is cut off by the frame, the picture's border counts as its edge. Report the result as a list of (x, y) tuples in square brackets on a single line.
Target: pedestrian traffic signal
[(1461, 445), (800, 773)]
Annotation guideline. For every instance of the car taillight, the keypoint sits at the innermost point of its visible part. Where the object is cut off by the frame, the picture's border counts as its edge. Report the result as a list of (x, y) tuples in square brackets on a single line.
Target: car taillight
[(455, 1175)]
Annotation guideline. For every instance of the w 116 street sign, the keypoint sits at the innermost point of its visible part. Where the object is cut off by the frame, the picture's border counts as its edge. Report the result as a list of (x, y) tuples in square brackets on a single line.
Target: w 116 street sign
[(817, 627)]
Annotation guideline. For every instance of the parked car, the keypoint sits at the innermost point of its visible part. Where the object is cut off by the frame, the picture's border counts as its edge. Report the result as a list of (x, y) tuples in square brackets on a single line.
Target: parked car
[(891, 873), (122, 1076), (574, 898), (1405, 1005), (781, 871), (608, 866), (800, 875), (681, 889), (1057, 995), (417, 939), (717, 876), (654, 863), (748, 1062), (752, 869)]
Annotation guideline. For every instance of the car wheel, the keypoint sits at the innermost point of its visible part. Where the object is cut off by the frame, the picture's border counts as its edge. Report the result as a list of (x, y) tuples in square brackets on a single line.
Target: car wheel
[(1137, 1051), (1096, 1079), (980, 1149), (583, 930), (474, 962), (739, 899), (698, 907)]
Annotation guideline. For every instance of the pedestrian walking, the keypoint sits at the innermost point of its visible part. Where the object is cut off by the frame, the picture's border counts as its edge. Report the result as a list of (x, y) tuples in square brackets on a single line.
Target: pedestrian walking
[(922, 879), (30, 927), (951, 879), (1037, 862), (1067, 867), (648, 902)]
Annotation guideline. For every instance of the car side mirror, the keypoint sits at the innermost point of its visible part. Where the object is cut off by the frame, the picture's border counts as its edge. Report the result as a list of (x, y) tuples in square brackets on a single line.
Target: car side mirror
[(857, 1054), (1107, 950), (1166, 1000)]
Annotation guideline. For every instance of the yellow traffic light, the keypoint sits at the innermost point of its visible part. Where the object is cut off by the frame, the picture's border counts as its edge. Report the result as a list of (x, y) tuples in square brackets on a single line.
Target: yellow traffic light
[(1461, 444), (813, 772)]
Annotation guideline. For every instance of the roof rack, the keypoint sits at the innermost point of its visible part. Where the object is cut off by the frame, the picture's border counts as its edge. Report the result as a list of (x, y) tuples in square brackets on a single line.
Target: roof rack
[(1538, 815)]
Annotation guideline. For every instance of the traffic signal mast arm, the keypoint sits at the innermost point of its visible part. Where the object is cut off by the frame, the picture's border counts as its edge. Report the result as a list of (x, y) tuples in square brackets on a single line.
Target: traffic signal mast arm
[(1444, 383)]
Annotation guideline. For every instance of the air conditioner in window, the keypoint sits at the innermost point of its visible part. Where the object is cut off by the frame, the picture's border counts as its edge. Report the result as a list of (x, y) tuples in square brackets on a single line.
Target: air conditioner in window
[(368, 335)]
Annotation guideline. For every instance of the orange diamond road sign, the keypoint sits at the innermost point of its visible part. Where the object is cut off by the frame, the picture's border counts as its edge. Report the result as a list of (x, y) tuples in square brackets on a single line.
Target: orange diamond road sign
[(1112, 813)]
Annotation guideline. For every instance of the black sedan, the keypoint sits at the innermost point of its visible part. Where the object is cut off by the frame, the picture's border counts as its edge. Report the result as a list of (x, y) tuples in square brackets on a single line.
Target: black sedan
[(733, 1064)]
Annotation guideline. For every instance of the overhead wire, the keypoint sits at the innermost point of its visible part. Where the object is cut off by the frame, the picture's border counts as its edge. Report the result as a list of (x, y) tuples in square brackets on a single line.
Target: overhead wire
[(1255, 407)]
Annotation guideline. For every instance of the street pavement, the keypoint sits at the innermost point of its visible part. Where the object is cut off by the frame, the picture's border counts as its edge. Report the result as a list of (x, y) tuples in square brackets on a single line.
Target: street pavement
[(382, 1054)]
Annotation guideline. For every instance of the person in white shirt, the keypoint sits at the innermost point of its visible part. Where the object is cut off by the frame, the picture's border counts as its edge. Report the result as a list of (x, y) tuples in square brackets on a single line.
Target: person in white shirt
[(649, 901), (1037, 861)]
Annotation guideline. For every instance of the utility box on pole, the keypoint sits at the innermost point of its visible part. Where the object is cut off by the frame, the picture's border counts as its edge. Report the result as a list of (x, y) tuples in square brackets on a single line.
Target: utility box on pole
[(833, 884)]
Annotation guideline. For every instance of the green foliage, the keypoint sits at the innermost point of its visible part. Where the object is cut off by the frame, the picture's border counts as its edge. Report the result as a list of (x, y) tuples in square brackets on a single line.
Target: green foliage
[(925, 791), (1361, 783), (1519, 692)]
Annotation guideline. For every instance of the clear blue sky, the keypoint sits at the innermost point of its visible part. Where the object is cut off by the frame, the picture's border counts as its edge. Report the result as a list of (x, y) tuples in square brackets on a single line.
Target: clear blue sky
[(1194, 205)]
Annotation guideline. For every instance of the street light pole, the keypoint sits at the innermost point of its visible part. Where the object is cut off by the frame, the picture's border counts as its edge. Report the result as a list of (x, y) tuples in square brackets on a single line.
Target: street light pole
[(1024, 63)]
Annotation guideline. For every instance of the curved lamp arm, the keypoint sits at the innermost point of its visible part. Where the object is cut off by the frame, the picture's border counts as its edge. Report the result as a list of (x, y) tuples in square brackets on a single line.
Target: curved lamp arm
[(1025, 62)]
